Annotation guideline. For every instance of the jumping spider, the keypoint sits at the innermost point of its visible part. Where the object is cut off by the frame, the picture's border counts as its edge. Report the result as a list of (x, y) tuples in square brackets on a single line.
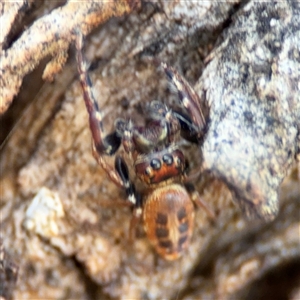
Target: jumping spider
[(167, 206)]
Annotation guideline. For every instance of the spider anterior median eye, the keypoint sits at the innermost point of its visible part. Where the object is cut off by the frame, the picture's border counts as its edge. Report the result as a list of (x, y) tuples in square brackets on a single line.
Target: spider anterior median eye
[(155, 164), (167, 159)]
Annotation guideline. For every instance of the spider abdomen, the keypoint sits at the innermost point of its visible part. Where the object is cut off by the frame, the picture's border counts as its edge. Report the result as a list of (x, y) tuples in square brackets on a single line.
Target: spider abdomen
[(169, 220)]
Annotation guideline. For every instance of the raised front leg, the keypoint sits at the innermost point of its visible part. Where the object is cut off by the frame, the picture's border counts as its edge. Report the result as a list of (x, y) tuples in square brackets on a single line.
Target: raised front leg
[(104, 144), (195, 121), (101, 144)]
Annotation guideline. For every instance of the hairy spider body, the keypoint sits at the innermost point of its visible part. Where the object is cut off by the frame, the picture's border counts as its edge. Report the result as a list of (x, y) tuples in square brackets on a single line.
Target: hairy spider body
[(160, 166), (167, 208), (169, 220)]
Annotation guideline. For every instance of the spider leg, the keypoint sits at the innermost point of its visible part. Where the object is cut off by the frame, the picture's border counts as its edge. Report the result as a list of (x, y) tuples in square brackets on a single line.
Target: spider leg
[(196, 198), (110, 143), (101, 144), (132, 195), (189, 99), (188, 129)]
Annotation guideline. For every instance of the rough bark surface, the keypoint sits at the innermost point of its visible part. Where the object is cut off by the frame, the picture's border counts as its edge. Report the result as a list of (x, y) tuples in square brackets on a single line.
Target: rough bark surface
[(64, 225)]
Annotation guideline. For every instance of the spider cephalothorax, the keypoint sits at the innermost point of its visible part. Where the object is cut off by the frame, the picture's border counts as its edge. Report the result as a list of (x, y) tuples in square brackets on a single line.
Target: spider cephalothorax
[(167, 205)]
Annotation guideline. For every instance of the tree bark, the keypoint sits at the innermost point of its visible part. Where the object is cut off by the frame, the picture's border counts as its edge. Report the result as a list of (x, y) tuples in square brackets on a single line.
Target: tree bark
[(65, 225)]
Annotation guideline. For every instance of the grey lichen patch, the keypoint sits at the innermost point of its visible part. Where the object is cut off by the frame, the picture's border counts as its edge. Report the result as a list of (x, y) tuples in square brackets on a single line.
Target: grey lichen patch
[(252, 86)]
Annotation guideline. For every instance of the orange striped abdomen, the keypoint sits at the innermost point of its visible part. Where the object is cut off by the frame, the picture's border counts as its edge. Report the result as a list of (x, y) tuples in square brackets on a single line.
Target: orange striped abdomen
[(169, 220)]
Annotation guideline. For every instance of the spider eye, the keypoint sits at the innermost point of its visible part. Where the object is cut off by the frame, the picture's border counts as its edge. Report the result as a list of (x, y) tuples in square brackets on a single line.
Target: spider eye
[(168, 159), (155, 164)]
